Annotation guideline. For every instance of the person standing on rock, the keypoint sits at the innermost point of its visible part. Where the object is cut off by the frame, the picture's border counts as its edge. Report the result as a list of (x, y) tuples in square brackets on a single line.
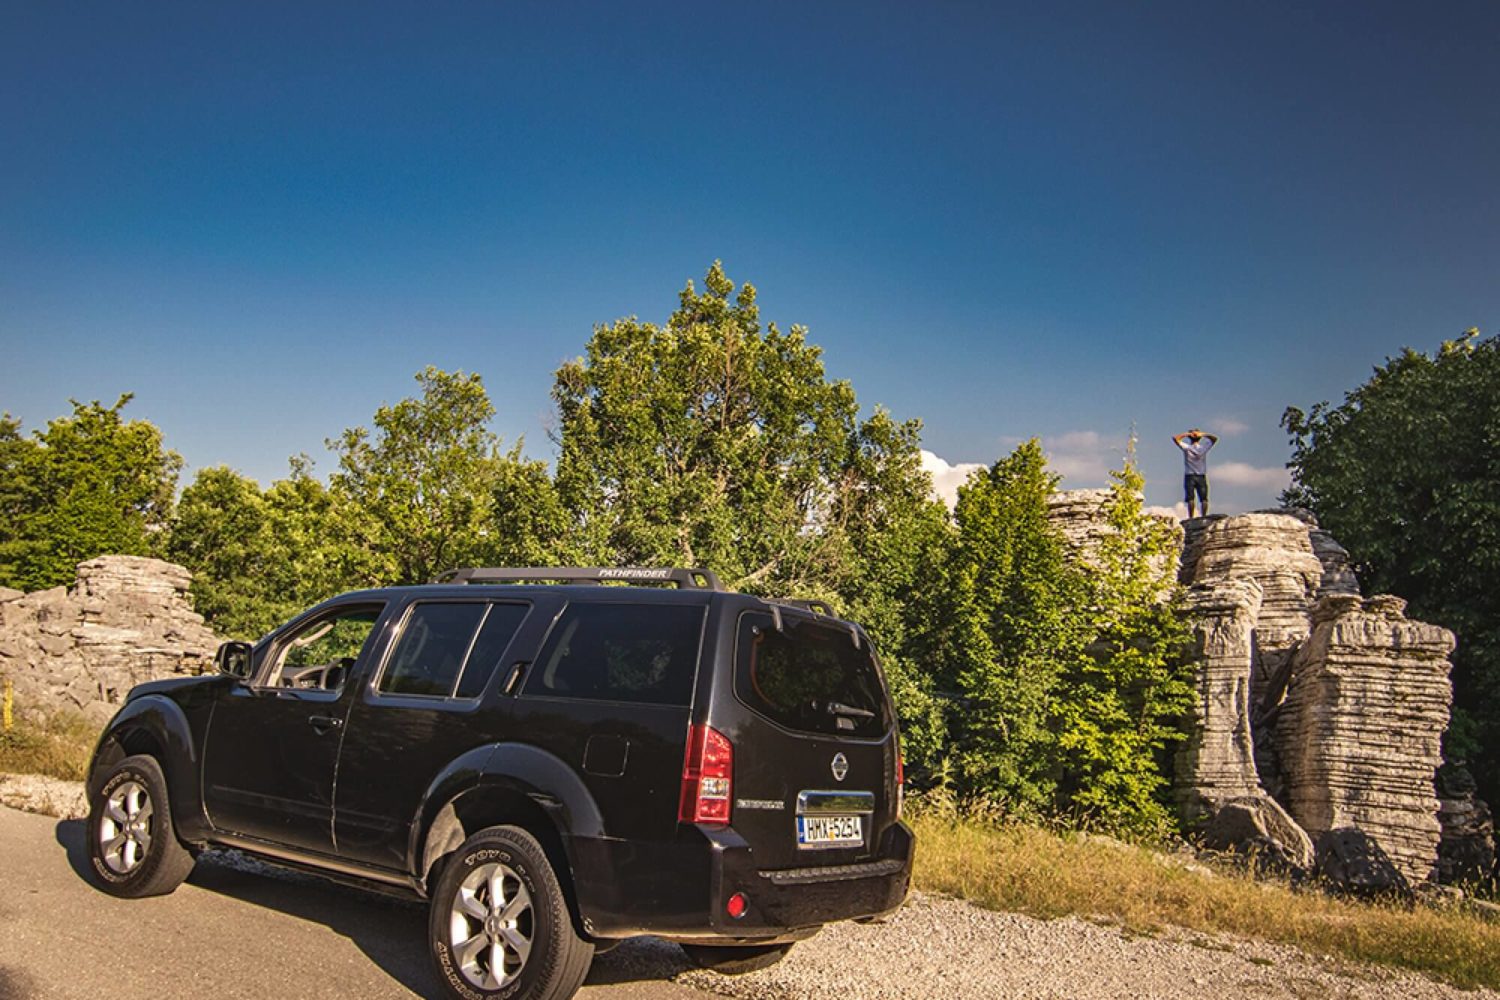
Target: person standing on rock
[(1195, 445)]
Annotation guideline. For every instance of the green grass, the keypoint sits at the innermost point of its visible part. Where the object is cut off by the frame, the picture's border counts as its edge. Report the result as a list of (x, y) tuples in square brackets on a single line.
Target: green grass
[(1026, 869), (58, 749)]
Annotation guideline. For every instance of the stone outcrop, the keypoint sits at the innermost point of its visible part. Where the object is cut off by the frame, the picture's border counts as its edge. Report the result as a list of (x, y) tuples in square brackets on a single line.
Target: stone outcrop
[(1275, 551), (1466, 853), (1079, 516), (1330, 704), (1359, 738), (1216, 762), (1256, 826), (126, 620)]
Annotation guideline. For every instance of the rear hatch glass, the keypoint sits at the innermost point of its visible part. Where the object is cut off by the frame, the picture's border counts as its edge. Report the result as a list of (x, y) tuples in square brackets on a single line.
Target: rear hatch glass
[(810, 677), (819, 788)]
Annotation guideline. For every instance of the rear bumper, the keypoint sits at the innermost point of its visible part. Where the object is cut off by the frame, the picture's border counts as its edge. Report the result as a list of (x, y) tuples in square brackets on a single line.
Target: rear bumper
[(678, 890)]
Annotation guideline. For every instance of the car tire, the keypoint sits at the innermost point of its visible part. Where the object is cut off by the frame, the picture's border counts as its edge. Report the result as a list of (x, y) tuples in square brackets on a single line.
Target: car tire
[(499, 925), (132, 843), (735, 959)]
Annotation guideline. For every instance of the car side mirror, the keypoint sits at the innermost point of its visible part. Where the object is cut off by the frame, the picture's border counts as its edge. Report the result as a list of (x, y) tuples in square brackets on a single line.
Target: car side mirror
[(233, 658)]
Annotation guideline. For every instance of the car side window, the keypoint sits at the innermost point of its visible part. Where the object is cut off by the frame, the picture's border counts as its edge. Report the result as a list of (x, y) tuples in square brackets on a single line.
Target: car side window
[(449, 649), (621, 652), (321, 653)]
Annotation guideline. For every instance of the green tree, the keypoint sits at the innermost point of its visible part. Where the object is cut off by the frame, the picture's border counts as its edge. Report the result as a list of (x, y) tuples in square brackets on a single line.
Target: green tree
[(1405, 472), (1119, 705), (708, 442), (418, 494), (92, 483), (259, 556), (1010, 629), (899, 535), (714, 441)]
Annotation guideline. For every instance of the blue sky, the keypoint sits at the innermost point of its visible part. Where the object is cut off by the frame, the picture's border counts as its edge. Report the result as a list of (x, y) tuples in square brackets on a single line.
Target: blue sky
[(264, 219)]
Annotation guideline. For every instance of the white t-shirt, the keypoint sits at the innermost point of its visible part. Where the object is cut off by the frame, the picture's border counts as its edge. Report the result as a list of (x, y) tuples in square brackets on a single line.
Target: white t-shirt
[(1195, 455)]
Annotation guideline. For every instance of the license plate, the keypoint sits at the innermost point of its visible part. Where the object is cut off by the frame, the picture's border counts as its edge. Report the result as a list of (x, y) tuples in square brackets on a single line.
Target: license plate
[(829, 831)]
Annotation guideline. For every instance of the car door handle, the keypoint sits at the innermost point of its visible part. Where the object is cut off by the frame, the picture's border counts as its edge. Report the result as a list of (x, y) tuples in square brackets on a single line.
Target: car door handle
[(324, 723), (512, 679)]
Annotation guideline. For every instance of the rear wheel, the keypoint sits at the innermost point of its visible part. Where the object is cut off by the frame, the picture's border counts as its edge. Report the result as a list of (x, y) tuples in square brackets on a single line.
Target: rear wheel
[(499, 925), (735, 959), (133, 849)]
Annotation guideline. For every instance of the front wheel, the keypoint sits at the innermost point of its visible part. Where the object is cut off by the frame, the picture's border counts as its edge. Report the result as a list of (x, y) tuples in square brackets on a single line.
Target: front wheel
[(499, 925), (133, 849), (735, 959)]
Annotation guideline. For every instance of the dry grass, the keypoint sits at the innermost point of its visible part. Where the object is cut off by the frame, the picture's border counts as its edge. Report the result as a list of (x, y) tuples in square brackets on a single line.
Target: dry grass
[(59, 749), (1029, 870)]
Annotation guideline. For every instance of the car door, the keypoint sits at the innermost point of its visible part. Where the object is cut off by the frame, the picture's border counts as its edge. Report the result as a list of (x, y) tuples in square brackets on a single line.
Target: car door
[(272, 744), (435, 697)]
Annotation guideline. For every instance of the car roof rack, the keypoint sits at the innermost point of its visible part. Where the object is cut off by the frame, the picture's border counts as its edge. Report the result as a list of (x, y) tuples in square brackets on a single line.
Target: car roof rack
[(814, 605), (685, 579)]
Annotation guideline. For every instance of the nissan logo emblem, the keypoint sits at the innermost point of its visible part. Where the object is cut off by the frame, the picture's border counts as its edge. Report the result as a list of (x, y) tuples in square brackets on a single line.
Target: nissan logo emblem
[(840, 766)]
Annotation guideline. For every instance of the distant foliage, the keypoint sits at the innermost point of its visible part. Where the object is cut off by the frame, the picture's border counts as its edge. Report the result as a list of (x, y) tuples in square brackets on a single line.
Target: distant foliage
[(1119, 707), (417, 494), (1405, 472), (714, 441), (91, 483), (1066, 668), (1009, 627), (428, 489), (259, 556), (1024, 674)]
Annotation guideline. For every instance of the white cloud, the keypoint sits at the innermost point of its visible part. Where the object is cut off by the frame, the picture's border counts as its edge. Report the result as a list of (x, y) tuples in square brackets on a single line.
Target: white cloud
[(1228, 426), (946, 478), (1244, 474), (1083, 458), (1178, 511)]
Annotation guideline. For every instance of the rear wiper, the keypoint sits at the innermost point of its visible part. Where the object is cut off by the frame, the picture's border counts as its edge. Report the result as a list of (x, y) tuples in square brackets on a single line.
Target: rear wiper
[(839, 708)]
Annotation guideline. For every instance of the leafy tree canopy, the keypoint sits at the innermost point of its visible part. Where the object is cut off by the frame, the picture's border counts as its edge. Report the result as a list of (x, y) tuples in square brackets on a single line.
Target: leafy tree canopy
[(1405, 472), (92, 483), (712, 441)]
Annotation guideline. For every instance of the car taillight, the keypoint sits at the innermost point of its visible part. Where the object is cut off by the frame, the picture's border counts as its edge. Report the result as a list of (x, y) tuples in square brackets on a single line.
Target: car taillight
[(900, 784), (707, 777)]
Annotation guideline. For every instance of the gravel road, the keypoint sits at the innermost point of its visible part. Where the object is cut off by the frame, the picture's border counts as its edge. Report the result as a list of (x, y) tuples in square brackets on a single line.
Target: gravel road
[(289, 928)]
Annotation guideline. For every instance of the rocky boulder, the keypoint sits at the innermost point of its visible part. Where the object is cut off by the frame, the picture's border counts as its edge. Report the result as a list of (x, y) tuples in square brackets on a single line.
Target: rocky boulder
[(1255, 826), (1466, 852), (126, 620), (1351, 861)]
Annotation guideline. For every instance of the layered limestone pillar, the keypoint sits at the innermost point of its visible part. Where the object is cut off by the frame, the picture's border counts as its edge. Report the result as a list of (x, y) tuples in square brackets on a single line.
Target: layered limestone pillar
[(1216, 761), (1359, 737)]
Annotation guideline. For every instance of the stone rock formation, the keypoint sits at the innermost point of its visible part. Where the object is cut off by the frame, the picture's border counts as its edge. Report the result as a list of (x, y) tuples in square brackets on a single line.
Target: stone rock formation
[(1354, 861), (1216, 762), (1079, 516), (1359, 738), (126, 620), (1466, 854), (1256, 825), (1329, 704)]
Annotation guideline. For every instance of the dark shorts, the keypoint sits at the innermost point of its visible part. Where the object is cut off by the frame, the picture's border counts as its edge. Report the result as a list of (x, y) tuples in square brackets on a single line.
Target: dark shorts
[(1194, 484)]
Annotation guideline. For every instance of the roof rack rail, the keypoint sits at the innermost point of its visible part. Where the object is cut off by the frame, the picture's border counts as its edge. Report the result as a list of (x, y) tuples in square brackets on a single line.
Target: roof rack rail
[(814, 605), (685, 579)]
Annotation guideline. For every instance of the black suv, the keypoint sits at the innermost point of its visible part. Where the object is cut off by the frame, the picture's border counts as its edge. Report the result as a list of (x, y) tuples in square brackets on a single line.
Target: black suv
[(554, 767)]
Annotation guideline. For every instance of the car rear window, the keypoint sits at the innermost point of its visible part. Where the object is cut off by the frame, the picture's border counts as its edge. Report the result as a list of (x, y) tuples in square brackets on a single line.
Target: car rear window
[(621, 652), (810, 677)]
